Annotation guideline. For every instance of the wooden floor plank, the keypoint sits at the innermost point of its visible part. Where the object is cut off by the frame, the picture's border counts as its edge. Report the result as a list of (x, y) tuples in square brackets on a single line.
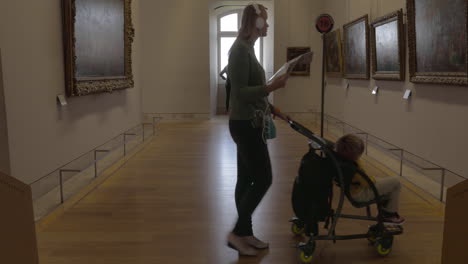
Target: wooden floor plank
[(173, 203)]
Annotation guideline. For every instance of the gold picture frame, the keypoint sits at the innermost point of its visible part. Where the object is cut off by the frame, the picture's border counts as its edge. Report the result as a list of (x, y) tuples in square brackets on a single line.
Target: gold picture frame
[(429, 60), (356, 48), (388, 47), (98, 55), (334, 57)]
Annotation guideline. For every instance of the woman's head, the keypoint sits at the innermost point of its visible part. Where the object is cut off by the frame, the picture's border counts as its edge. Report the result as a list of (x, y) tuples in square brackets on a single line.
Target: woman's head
[(254, 22), (350, 147)]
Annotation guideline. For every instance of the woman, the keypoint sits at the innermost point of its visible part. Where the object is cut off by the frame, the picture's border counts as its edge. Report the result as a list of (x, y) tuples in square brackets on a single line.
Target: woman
[(249, 111)]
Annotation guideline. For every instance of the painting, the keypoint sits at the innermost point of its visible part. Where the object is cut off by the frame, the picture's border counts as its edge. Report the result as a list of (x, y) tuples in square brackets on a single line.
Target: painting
[(437, 40), (334, 60), (301, 68), (356, 49), (98, 36), (388, 48)]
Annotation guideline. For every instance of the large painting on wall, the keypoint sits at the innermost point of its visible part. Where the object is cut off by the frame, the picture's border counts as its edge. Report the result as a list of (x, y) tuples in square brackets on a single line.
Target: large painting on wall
[(437, 39), (356, 49), (98, 36), (388, 48), (334, 60)]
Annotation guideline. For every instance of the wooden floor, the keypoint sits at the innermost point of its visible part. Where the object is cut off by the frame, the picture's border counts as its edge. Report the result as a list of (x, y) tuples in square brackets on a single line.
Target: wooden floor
[(173, 203)]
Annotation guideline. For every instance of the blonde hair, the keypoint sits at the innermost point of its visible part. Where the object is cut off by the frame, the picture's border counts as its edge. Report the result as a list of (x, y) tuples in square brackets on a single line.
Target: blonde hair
[(350, 147), (249, 16)]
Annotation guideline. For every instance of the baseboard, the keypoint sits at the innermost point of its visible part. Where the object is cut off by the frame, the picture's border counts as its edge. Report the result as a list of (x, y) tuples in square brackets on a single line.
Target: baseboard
[(58, 211), (165, 117)]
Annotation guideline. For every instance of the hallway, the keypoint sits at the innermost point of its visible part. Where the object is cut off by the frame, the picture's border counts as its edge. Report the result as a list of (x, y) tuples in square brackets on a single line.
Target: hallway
[(173, 203)]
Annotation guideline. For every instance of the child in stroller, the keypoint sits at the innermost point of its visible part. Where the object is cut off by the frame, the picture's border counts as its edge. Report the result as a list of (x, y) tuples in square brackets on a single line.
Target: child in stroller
[(351, 147), (312, 195)]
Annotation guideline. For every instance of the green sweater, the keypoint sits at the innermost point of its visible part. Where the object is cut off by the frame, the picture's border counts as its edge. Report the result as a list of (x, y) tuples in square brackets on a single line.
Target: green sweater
[(248, 89)]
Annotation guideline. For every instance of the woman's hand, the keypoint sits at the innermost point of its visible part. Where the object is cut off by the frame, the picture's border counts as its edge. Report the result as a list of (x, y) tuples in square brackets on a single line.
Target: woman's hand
[(276, 112), (278, 83), (283, 116)]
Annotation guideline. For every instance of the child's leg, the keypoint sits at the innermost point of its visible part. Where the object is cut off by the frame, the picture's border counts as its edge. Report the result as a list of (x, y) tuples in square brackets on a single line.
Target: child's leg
[(390, 187)]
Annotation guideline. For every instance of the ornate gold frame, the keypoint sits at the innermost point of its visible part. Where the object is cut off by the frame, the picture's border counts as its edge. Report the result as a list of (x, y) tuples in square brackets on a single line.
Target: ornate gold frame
[(389, 75), (85, 86), (365, 76), (454, 78), (340, 55)]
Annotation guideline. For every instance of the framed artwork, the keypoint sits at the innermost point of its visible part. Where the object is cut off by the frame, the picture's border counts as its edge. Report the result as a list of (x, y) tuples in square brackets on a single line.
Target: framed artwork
[(388, 47), (300, 68), (98, 36), (356, 49), (437, 40), (334, 59)]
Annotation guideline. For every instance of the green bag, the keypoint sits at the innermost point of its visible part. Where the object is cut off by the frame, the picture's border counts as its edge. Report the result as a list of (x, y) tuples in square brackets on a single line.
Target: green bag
[(270, 128)]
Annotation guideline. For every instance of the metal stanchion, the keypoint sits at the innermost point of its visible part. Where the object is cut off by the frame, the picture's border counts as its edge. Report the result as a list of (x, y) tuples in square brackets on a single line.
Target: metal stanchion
[(61, 182), (95, 159), (125, 141)]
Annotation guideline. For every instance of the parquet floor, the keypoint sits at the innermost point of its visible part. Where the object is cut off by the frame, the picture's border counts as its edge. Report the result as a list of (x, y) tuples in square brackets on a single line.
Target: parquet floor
[(173, 203)]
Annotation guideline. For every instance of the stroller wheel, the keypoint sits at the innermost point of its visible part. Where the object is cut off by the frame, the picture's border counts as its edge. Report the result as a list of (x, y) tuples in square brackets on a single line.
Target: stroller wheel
[(372, 235), (305, 258), (297, 229), (307, 252), (384, 246)]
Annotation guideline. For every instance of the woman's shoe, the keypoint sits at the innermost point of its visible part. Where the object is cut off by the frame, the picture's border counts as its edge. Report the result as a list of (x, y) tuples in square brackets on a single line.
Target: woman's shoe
[(255, 242), (239, 244)]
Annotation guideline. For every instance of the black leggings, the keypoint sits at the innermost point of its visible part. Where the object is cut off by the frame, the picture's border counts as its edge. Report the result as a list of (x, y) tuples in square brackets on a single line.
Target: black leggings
[(254, 174)]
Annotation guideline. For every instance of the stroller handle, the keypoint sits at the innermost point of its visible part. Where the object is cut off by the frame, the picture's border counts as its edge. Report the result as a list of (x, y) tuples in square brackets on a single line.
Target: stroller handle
[(307, 133)]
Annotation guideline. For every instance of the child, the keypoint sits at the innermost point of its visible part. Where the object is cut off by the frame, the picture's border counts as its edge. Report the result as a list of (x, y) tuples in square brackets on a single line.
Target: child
[(351, 147)]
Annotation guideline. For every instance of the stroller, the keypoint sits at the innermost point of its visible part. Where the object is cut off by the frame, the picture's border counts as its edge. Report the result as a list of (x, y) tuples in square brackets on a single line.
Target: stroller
[(328, 167)]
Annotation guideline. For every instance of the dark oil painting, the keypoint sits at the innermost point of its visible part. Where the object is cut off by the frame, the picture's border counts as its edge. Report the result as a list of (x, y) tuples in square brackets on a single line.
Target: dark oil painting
[(99, 31), (440, 35), (333, 54), (356, 49), (386, 45)]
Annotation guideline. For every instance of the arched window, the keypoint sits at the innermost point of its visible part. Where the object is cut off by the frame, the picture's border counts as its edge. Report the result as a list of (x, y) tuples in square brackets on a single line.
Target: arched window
[(228, 25)]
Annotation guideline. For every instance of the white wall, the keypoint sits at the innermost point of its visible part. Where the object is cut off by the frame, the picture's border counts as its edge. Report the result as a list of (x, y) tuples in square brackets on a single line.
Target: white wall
[(42, 136), (175, 66), (295, 26), (432, 124), (4, 148), (214, 87)]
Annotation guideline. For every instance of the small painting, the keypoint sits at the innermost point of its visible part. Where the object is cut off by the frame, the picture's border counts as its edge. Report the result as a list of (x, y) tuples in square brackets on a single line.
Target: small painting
[(334, 60), (300, 68)]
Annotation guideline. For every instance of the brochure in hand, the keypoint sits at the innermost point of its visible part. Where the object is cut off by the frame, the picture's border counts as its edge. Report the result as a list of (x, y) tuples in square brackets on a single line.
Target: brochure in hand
[(289, 66)]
